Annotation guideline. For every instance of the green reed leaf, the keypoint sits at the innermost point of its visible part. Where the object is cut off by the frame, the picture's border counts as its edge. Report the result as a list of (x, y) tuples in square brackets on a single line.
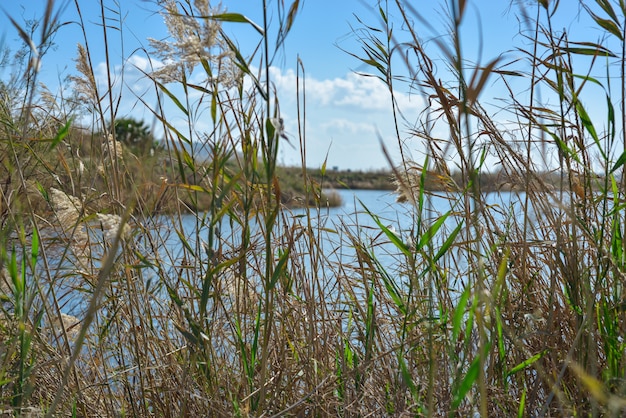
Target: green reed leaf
[(406, 376), (617, 248), (291, 15), (606, 6), (13, 273), (391, 286), (201, 89), (241, 63), (459, 313), (466, 384), (509, 73), (592, 49), (620, 162), (610, 116), (432, 231), (183, 240), (235, 18), (247, 361), (34, 251), (270, 129), (565, 150), (590, 79), (448, 242), (192, 187), (500, 334), (383, 15), (61, 134), (526, 363), (610, 25), (286, 27), (395, 240), (588, 124), (172, 97), (188, 335), (258, 322), (174, 295), (503, 268), (522, 404), (214, 107), (280, 268)]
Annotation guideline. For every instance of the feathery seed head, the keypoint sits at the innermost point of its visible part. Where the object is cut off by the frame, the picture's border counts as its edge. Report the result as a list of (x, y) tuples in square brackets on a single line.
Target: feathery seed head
[(67, 208), (85, 84), (112, 149), (196, 39), (110, 224)]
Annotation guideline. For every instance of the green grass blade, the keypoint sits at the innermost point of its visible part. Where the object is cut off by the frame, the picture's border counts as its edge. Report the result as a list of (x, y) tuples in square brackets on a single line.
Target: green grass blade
[(459, 312), (594, 50), (448, 242), (236, 18), (500, 334), (522, 404), (526, 363), (34, 251), (562, 145), (588, 124), (243, 66), (280, 268), (408, 379), (391, 286), (61, 134), (173, 98), (609, 25), (466, 384), (395, 240), (620, 162), (432, 231)]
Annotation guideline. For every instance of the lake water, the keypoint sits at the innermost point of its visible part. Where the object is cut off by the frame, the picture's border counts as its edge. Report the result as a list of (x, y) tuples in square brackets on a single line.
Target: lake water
[(179, 247), (336, 226)]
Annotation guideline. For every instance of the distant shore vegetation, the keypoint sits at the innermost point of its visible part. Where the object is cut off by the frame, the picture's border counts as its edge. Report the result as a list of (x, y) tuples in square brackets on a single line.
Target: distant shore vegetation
[(148, 172)]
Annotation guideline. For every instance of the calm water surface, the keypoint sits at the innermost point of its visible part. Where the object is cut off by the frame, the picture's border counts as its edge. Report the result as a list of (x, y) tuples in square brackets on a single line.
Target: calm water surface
[(337, 232), (351, 217)]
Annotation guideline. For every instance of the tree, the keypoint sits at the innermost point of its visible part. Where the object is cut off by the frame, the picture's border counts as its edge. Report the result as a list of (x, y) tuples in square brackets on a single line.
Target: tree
[(134, 134)]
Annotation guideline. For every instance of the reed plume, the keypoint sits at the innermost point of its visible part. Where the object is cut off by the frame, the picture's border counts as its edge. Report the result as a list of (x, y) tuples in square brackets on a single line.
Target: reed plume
[(196, 39), (110, 225), (69, 211)]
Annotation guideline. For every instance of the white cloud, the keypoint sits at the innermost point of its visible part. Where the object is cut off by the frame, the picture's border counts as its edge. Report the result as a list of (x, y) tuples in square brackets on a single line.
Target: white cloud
[(342, 126), (143, 64), (346, 116), (352, 91)]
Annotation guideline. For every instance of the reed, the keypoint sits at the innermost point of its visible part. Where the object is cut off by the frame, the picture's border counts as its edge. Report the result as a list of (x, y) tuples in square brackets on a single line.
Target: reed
[(112, 306)]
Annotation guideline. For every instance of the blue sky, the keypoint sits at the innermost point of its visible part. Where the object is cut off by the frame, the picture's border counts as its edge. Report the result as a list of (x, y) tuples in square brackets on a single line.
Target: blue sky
[(346, 113)]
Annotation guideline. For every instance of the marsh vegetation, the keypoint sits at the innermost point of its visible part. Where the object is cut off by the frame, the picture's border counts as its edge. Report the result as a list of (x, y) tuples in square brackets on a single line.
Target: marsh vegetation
[(484, 310)]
